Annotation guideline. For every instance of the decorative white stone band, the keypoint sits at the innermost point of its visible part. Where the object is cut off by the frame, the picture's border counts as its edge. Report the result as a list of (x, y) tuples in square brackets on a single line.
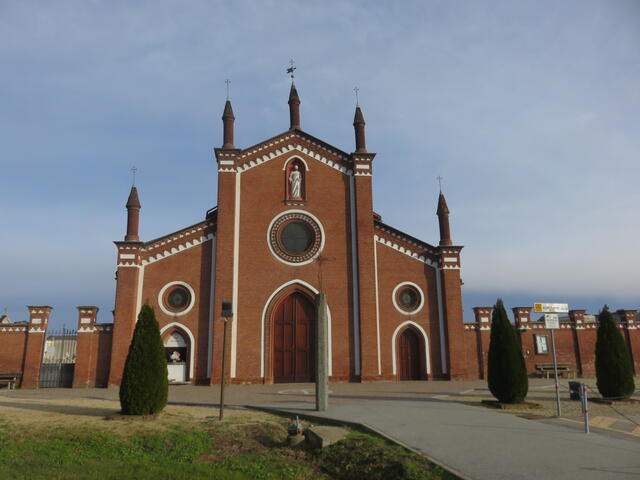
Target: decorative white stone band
[(185, 233), (361, 166), (358, 174), (37, 330), (87, 329), (275, 142), (451, 259), (484, 319), (167, 253), (227, 162), (406, 239), (127, 256), (36, 321), (13, 329), (85, 320), (289, 148), (407, 252)]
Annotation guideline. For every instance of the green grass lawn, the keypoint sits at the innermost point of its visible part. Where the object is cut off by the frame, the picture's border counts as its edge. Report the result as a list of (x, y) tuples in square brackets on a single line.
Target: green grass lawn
[(208, 450)]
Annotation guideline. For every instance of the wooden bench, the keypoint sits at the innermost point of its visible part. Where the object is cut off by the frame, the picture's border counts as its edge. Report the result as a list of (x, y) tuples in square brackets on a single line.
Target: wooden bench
[(563, 369), (10, 379)]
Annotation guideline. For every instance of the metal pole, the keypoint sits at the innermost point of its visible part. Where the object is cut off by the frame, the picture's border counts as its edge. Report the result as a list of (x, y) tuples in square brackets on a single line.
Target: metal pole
[(224, 357), (585, 406), (555, 372)]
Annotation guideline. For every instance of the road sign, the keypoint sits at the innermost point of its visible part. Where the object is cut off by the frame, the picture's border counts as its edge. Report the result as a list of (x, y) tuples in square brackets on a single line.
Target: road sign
[(551, 307), (551, 320)]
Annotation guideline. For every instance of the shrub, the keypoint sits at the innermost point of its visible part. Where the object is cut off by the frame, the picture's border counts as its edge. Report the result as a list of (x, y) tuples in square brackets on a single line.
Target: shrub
[(508, 379), (613, 363), (144, 386)]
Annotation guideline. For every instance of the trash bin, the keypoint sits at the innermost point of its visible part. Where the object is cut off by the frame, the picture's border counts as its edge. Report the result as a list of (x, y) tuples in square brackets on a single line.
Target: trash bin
[(574, 390)]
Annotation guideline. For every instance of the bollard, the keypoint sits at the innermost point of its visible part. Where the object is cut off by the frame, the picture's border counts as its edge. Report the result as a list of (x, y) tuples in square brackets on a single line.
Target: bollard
[(585, 405)]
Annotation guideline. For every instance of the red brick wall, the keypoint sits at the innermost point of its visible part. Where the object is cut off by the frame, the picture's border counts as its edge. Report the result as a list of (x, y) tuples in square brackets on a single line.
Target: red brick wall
[(260, 274), (12, 348), (394, 268)]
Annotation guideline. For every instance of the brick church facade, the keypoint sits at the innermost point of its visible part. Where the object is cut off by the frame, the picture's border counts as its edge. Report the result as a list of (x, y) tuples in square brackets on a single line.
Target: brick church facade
[(294, 218)]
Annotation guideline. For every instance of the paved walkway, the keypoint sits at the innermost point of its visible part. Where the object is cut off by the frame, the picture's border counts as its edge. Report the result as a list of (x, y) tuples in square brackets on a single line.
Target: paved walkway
[(475, 442)]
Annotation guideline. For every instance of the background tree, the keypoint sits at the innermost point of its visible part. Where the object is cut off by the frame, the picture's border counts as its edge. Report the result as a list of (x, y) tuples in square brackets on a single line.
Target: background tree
[(613, 362), (145, 384), (508, 379)]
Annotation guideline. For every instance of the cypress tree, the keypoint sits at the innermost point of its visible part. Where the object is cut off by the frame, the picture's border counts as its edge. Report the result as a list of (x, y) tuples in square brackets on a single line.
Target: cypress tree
[(613, 364), (144, 386), (508, 379)]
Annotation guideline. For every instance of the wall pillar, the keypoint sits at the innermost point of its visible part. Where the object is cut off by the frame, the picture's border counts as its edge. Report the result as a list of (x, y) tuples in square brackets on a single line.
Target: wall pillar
[(125, 313), (364, 324), (34, 349), (451, 293), (576, 317), (227, 245), (84, 374), (522, 319), (483, 337), (630, 331)]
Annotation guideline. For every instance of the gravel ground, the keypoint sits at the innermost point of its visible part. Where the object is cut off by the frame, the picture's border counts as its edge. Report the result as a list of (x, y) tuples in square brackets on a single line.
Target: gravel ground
[(545, 396)]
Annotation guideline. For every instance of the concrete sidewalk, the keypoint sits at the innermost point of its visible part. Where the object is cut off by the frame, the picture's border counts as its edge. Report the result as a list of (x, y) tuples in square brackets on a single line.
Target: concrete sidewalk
[(482, 444)]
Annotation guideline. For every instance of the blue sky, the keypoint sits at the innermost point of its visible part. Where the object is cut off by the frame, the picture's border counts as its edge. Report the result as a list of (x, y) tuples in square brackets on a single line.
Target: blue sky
[(529, 110)]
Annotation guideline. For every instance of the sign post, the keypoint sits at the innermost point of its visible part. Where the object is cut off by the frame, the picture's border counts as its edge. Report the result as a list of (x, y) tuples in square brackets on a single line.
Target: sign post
[(227, 312), (551, 322)]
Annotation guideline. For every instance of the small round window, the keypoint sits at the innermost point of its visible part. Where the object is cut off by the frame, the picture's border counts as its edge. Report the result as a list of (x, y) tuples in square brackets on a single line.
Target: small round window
[(177, 298), (295, 237), (408, 298)]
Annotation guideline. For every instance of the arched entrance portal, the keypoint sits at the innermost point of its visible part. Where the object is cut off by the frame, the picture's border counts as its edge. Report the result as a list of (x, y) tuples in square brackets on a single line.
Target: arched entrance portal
[(409, 355), (294, 326), (176, 352)]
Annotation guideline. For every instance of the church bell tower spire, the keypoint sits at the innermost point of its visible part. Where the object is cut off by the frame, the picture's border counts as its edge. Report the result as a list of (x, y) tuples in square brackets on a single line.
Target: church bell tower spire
[(133, 216), (443, 220), (294, 108), (228, 120)]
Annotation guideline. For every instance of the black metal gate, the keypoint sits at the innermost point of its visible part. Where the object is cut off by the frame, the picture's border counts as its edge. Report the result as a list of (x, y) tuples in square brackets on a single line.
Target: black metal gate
[(58, 359)]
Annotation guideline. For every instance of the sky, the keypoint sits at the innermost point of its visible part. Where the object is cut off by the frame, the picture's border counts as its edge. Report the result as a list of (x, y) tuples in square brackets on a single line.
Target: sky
[(529, 111)]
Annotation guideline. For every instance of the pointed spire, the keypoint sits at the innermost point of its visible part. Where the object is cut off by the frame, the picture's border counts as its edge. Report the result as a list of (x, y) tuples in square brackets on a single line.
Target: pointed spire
[(443, 220), (358, 125), (294, 108), (133, 216), (227, 124)]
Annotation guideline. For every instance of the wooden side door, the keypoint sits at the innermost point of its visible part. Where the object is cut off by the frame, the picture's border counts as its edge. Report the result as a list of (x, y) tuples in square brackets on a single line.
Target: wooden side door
[(409, 355)]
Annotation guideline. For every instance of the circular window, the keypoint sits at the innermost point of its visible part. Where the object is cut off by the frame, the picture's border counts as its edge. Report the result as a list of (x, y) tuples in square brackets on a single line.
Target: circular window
[(408, 298), (295, 238), (176, 298)]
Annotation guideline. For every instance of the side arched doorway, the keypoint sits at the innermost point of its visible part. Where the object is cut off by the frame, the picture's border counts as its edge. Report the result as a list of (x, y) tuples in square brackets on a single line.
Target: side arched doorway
[(409, 355), (294, 325), (176, 350)]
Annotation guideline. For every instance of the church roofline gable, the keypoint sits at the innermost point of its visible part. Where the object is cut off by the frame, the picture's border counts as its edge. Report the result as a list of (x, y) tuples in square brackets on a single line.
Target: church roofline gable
[(292, 142)]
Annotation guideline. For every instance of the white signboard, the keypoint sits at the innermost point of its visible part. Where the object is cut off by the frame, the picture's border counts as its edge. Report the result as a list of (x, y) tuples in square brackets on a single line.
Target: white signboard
[(551, 307), (551, 320)]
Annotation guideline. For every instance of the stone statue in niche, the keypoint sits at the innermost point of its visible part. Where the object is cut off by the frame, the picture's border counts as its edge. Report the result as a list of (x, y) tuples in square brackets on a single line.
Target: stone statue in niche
[(295, 183)]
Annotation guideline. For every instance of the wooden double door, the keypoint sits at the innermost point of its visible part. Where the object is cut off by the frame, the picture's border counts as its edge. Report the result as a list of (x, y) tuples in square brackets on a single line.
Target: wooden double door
[(294, 340), (409, 355)]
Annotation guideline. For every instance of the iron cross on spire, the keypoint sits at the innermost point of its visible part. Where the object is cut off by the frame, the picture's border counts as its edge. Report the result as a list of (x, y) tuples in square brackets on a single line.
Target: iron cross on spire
[(228, 82), (134, 170), (356, 89), (439, 178), (291, 69)]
